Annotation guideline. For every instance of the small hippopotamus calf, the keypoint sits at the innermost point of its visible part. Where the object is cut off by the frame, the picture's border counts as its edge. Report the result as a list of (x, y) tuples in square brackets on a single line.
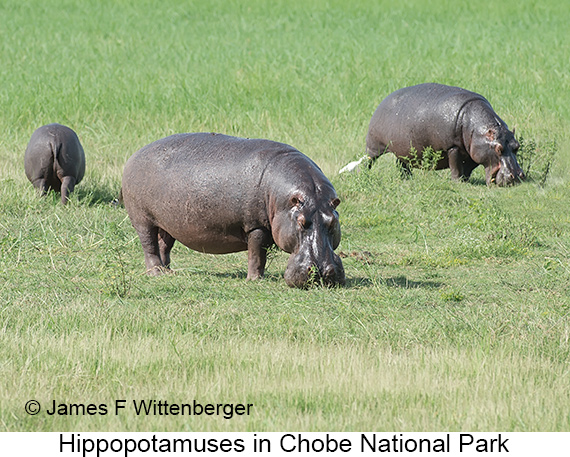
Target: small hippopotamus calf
[(220, 194), (54, 159), (459, 123)]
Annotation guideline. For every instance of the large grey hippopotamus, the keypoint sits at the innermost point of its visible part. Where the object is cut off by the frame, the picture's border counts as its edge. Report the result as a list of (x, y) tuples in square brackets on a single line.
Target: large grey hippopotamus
[(54, 159), (219, 194), (459, 123)]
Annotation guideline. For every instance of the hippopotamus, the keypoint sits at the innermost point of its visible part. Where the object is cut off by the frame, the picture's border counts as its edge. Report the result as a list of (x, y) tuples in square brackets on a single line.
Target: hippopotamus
[(54, 159), (459, 123), (220, 194)]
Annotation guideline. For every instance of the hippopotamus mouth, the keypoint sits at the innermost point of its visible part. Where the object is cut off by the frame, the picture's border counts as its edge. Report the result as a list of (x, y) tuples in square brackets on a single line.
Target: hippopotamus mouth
[(303, 272), (304, 277), (507, 172)]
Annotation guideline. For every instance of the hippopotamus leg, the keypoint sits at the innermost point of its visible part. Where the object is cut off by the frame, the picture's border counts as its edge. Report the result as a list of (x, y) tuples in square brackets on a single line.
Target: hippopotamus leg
[(460, 164), (468, 166), (257, 243), (165, 243), (148, 235), (67, 186), (455, 163), (41, 185)]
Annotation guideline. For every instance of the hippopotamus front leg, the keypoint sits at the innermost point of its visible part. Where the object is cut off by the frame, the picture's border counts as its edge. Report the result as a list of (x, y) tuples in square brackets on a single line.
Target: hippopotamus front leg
[(468, 166), (258, 241), (461, 164)]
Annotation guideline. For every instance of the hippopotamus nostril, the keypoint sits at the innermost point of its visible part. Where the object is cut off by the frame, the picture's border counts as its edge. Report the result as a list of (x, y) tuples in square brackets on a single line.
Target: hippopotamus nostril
[(328, 272)]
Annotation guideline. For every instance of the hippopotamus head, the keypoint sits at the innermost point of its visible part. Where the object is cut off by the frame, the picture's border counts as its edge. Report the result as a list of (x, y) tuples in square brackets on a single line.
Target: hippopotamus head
[(308, 228), (496, 149)]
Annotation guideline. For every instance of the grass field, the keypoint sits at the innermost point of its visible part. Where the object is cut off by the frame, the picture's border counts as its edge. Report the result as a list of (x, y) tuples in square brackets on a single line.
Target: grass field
[(456, 312)]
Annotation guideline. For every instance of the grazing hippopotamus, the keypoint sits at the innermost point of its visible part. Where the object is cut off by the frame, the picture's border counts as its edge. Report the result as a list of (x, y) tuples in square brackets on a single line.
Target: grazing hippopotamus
[(219, 194), (54, 159), (459, 123)]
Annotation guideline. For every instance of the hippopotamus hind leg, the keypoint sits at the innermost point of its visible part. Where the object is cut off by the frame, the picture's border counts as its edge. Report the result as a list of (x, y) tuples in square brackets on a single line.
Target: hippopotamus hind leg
[(41, 185), (165, 243), (455, 163), (148, 234), (258, 241), (67, 186)]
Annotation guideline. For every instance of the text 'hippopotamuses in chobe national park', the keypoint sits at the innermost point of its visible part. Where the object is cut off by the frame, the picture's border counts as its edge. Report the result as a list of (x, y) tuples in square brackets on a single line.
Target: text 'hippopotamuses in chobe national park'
[(220, 194), (460, 124)]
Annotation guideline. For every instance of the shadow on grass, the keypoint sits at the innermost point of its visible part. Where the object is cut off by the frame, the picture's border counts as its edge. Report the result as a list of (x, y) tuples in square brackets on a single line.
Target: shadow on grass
[(353, 283), (405, 283), (242, 275), (477, 181), (95, 194)]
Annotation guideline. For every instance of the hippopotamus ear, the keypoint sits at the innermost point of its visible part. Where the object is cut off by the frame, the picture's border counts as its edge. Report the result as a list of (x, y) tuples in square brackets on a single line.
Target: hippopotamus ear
[(499, 148), (335, 202), (515, 146)]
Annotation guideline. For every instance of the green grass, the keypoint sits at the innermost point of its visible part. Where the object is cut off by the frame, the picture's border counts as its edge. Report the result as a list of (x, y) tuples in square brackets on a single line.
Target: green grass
[(456, 313)]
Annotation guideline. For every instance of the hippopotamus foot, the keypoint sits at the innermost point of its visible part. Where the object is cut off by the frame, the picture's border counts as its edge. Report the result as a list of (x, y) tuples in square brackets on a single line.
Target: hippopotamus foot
[(258, 241), (159, 270)]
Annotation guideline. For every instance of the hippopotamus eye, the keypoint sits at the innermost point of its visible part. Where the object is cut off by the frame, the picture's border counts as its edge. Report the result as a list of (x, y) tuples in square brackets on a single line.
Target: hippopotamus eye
[(297, 200)]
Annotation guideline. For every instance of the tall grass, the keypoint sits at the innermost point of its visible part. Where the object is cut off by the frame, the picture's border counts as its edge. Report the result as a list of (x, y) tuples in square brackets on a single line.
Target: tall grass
[(456, 311)]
